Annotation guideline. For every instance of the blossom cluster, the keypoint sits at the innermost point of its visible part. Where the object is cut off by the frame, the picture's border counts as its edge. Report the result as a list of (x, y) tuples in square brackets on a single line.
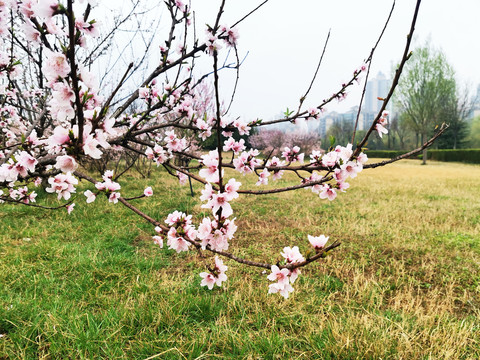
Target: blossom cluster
[(285, 277), (338, 160), (216, 276), (292, 155), (246, 162), (51, 132), (109, 186), (228, 35), (63, 185), (158, 154), (381, 123)]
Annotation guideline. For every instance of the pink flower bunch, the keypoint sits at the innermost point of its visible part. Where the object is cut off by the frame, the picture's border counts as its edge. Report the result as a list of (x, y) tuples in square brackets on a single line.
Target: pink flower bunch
[(338, 156), (60, 138), (210, 173), (23, 195), (212, 43), (216, 234), (330, 159), (344, 152), (292, 155), (362, 158), (150, 93), (285, 277), (242, 127), (61, 102), (215, 275), (173, 142), (181, 228), (263, 177), (318, 242), (275, 162), (229, 35), (90, 196), (148, 191), (180, 5), (158, 239), (327, 192), (182, 178), (205, 127), (109, 187), (70, 208), (45, 9), (344, 168), (220, 200), (312, 114), (282, 284), (158, 154), (10, 171), (382, 122), (246, 162), (66, 163), (92, 102), (235, 146), (357, 72), (185, 109), (316, 156), (55, 67), (292, 255), (351, 169), (90, 28), (63, 185), (25, 162)]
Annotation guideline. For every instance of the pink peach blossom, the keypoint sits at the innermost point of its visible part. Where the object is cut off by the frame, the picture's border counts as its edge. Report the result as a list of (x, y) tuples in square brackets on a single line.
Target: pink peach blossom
[(148, 191)]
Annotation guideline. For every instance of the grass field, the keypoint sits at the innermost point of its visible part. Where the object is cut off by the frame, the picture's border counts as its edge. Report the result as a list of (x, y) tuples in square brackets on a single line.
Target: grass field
[(404, 284)]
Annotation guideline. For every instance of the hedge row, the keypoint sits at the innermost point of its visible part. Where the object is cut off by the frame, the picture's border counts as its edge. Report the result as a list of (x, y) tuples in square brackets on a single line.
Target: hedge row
[(460, 155)]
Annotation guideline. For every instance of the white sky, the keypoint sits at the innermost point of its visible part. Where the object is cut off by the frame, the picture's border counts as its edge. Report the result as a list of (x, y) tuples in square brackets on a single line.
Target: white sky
[(285, 39)]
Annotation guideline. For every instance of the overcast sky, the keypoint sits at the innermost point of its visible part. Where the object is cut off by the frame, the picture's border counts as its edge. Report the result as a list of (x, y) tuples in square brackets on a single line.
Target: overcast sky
[(284, 40)]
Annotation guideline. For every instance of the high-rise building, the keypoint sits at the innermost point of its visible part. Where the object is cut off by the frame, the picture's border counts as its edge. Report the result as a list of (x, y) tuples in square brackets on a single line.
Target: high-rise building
[(376, 87)]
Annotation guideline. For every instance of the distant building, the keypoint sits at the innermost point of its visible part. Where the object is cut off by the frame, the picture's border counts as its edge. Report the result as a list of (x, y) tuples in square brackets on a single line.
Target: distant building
[(377, 87), (345, 120)]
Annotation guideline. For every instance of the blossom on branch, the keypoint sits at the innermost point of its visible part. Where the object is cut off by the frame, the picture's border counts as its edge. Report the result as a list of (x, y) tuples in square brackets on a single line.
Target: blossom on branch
[(318, 242), (63, 185), (216, 276), (55, 121)]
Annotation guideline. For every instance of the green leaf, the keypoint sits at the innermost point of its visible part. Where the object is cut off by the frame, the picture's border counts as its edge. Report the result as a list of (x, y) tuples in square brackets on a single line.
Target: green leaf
[(332, 140)]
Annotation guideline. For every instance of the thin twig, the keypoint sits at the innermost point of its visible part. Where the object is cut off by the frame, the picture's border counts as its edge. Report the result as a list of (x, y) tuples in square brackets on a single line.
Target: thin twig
[(398, 72), (369, 61)]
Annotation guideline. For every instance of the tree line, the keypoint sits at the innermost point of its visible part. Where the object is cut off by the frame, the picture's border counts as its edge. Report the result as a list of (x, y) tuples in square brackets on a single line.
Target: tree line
[(427, 95)]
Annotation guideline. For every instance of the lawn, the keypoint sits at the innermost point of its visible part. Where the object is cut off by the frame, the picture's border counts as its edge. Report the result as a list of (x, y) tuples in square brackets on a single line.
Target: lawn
[(404, 284)]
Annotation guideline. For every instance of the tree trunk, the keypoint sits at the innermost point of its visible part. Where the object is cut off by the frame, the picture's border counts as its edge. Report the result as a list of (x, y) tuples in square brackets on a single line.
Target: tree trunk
[(424, 157)]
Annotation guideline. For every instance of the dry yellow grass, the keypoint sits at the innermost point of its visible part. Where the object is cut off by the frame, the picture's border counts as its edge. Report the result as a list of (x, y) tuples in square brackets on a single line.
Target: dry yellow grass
[(404, 284), (408, 266)]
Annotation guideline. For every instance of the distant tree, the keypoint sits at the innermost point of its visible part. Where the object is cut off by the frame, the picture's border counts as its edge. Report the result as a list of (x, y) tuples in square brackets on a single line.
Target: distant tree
[(456, 112), (427, 85), (399, 132), (275, 141), (342, 131), (474, 137)]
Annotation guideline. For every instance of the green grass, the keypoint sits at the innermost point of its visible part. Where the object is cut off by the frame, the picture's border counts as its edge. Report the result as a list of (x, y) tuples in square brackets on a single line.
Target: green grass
[(405, 283)]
